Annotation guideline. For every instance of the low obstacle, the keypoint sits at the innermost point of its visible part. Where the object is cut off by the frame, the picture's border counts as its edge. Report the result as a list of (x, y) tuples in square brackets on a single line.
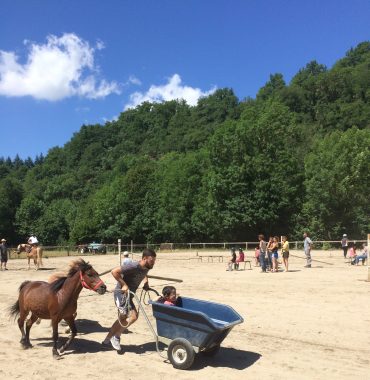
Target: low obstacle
[(304, 258)]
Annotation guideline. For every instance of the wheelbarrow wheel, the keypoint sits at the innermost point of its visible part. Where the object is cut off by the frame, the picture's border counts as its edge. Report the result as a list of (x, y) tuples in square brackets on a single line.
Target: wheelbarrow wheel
[(211, 351), (181, 353)]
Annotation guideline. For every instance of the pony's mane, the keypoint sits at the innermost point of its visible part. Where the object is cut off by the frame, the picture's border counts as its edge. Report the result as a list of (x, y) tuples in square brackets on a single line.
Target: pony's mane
[(57, 280)]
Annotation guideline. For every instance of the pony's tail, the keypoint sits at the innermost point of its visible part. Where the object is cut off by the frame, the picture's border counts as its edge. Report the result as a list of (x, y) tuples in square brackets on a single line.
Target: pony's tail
[(14, 309)]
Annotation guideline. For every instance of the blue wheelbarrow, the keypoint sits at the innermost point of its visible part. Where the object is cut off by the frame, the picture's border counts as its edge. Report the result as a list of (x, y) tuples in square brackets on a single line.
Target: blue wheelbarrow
[(192, 327)]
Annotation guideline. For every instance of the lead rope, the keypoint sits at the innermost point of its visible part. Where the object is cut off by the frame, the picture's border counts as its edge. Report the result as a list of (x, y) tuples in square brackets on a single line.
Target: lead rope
[(127, 304)]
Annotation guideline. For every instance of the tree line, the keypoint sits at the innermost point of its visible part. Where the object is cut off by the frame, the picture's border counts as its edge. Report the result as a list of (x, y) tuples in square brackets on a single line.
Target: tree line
[(296, 157)]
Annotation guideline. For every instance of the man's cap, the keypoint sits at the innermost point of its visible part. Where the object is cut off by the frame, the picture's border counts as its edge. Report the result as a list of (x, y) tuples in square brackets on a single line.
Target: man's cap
[(125, 253), (344, 234), (3, 239)]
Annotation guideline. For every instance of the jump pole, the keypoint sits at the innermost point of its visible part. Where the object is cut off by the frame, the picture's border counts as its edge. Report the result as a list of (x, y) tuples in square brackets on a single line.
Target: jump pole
[(149, 276), (303, 258)]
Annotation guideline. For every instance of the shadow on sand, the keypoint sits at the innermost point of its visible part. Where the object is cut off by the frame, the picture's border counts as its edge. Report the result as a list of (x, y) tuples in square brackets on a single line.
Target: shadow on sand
[(226, 357)]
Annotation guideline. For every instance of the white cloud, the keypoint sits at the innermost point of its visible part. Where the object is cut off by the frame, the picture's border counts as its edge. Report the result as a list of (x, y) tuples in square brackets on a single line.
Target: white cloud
[(113, 118), (133, 80), (60, 68), (172, 90)]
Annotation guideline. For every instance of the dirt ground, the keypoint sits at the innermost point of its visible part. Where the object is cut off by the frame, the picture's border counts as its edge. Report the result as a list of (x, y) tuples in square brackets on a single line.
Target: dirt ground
[(303, 324)]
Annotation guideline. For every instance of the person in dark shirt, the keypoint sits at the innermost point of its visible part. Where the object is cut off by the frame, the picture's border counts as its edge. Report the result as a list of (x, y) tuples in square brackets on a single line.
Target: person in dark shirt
[(129, 276), (232, 260), (4, 254)]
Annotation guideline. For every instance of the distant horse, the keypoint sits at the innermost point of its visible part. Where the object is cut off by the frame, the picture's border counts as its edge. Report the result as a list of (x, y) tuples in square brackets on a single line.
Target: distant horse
[(24, 248), (55, 301), (32, 252)]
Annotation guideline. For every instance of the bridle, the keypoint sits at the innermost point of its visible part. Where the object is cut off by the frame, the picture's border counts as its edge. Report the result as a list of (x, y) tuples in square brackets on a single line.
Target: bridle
[(86, 286)]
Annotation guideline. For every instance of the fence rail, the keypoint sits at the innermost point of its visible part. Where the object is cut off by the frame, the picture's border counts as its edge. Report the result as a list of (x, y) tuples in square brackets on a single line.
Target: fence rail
[(72, 250)]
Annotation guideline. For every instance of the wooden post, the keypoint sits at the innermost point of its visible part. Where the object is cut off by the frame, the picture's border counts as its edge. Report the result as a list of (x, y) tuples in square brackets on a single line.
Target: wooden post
[(368, 256), (132, 246), (119, 251)]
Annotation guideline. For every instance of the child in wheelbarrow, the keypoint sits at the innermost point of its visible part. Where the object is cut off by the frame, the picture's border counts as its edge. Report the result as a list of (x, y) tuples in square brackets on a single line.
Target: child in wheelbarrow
[(169, 296)]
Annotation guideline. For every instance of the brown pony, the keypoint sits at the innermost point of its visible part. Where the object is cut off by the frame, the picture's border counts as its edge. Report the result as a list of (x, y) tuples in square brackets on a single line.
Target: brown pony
[(32, 252), (55, 301)]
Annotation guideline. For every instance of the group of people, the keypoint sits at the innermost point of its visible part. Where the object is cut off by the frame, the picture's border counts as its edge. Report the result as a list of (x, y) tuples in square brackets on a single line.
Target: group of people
[(32, 241), (234, 261), (267, 253), (350, 249), (355, 257)]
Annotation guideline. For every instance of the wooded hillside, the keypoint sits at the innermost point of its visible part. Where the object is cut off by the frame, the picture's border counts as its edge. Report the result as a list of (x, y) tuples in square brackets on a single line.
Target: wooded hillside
[(297, 157)]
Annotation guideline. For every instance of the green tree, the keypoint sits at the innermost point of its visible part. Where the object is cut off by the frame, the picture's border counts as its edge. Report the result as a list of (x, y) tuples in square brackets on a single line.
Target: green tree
[(337, 180)]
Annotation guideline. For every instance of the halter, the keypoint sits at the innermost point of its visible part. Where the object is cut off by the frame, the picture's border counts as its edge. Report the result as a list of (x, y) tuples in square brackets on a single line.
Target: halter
[(84, 284)]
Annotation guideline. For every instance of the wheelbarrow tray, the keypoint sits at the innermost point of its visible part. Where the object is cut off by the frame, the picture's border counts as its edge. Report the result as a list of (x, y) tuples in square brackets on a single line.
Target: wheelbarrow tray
[(204, 324)]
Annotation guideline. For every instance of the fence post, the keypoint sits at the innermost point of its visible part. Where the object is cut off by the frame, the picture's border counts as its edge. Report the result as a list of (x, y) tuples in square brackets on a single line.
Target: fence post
[(368, 257), (68, 250), (119, 251)]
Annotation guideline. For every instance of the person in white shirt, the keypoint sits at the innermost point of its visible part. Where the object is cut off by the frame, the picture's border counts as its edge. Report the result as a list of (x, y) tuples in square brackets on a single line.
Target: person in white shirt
[(126, 258)]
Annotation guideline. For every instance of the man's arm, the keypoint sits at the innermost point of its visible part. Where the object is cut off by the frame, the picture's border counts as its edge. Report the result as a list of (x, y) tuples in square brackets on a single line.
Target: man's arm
[(117, 274), (146, 283)]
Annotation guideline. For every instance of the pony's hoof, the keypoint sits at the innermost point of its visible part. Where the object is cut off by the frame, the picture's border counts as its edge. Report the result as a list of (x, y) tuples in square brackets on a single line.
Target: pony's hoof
[(56, 354)]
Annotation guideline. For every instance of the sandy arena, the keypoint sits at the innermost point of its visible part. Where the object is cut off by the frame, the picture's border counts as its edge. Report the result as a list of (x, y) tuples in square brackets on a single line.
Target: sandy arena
[(304, 324)]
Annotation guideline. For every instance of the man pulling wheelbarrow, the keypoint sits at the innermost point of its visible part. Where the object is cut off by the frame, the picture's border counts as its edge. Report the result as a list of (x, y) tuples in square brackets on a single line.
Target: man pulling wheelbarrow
[(129, 277)]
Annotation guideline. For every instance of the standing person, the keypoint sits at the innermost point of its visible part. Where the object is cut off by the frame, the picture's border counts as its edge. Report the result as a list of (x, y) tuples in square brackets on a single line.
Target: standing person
[(285, 252), (129, 277), (4, 254), (262, 245), (275, 253), (269, 252), (307, 244), (126, 258), (344, 243)]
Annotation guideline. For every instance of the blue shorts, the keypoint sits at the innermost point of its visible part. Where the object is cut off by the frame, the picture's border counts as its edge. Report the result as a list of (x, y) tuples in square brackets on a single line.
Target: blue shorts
[(120, 299), (275, 254)]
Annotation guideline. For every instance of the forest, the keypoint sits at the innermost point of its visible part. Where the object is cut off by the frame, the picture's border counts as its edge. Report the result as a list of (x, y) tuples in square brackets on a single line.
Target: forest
[(294, 158)]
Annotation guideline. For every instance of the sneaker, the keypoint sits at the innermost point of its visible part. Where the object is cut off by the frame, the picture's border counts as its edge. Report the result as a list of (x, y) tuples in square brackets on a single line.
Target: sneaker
[(308, 266), (115, 342)]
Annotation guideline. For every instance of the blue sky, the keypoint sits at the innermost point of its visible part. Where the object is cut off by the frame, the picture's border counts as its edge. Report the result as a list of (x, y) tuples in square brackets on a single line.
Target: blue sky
[(65, 63)]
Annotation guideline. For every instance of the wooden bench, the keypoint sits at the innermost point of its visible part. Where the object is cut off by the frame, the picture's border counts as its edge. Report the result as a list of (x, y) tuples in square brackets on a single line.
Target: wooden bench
[(236, 265)]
